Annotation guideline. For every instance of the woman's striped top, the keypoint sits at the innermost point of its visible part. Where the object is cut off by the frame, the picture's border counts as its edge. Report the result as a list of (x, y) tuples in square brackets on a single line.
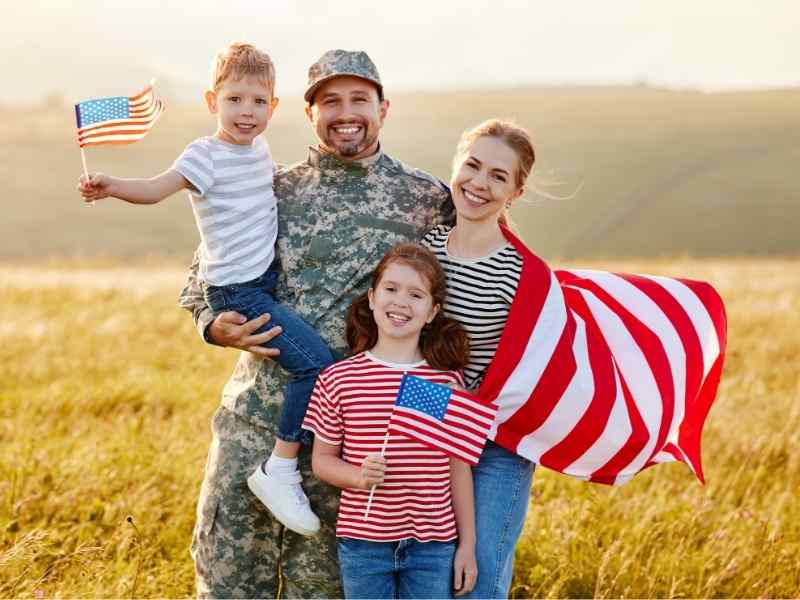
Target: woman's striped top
[(479, 296)]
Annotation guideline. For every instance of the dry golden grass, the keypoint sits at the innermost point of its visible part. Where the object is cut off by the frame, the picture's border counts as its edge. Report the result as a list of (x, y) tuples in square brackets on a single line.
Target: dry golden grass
[(107, 394)]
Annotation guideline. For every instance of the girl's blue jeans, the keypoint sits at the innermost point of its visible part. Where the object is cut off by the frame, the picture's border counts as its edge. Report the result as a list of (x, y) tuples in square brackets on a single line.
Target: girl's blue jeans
[(404, 569), (502, 482), (303, 353)]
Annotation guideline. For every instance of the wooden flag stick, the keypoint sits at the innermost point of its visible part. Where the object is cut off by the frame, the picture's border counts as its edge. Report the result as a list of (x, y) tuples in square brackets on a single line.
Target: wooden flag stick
[(85, 174), (372, 490)]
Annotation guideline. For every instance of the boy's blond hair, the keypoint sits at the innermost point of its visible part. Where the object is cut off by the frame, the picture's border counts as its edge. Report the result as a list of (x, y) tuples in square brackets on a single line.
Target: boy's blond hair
[(240, 60)]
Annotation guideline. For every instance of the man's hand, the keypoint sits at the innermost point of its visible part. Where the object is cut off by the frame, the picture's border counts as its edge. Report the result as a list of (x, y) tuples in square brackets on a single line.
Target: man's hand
[(373, 471), (234, 330), (465, 569)]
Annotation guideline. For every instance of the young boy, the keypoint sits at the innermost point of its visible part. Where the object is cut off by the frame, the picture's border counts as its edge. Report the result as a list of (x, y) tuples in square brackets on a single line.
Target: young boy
[(229, 178)]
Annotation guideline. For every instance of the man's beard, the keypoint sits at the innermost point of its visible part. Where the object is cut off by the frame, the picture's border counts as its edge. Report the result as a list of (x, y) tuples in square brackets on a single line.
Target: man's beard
[(350, 149)]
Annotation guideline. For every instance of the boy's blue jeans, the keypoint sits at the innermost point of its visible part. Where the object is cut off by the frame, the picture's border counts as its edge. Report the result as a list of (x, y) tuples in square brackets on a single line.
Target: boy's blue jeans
[(303, 353), (404, 569)]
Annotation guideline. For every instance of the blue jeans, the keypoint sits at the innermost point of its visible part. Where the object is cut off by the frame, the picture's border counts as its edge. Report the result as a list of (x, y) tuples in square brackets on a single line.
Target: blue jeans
[(404, 569), (303, 353), (502, 482)]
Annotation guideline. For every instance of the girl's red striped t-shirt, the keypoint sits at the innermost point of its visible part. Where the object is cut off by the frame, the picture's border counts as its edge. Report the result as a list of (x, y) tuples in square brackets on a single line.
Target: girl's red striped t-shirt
[(351, 405)]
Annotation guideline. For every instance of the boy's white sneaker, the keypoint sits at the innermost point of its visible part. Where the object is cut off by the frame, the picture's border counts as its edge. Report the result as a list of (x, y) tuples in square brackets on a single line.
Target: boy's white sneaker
[(282, 494)]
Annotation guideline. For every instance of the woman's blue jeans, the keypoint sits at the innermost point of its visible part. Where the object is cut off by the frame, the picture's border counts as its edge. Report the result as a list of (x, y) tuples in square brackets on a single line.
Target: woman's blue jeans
[(502, 483)]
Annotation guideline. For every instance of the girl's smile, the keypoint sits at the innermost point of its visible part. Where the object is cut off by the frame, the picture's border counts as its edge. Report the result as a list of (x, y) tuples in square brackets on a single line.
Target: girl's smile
[(401, 303)]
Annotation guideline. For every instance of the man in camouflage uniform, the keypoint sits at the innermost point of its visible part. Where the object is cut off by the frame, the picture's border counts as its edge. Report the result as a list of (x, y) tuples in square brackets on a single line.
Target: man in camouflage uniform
[(339, 211)]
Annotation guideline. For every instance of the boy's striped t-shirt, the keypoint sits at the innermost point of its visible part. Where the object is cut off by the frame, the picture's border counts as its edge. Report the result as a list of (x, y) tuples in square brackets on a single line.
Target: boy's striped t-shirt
[(234, 206), (351, 405), (479, 296)]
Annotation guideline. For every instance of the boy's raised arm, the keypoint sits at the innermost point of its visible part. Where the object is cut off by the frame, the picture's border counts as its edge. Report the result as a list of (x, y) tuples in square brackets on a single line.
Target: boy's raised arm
[(135, 191)]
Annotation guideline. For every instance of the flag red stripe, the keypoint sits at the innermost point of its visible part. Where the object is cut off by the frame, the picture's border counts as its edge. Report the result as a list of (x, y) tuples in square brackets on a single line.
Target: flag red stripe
[(424, 435), (683, 326), (595, 418), (689, 436), (654, 353), (524, 313), (691, 344), (130, 131), (474, 408), (110, 142), (146, 90), (113, 124), (633, 446), (425, 424), (548, 391)]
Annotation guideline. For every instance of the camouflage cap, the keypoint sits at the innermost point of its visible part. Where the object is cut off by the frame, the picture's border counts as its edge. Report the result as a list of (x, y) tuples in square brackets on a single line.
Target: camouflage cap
[(335, 63)]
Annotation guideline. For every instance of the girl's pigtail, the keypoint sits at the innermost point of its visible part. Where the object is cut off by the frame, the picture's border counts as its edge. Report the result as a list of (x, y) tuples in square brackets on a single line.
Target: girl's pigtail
[(361, 330), (444, 344)]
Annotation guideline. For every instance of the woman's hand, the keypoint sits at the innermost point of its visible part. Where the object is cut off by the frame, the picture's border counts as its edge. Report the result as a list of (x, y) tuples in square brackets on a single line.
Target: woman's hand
[(234, 330), (465, 569), (373, 471)]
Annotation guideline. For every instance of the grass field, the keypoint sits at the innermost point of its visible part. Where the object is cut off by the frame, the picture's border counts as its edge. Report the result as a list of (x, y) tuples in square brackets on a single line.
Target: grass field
[(107, 394), (640, 172)]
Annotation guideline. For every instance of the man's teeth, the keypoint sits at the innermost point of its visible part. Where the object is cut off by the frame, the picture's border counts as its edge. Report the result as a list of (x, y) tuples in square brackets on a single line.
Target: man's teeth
[(473, 198), (347, 130)]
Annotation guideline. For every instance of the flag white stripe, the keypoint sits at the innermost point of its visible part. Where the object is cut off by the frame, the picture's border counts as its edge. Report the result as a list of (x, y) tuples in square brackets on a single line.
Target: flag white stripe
[(608, 442), (569, 409), (709, 342), (417, 416), (634, 368), (650, 314), (541, 345), (469, 455)]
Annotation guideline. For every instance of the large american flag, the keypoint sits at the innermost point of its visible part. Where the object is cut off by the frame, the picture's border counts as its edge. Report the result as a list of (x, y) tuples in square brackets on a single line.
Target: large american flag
[(117, 119), (443, 418), (599, 375)]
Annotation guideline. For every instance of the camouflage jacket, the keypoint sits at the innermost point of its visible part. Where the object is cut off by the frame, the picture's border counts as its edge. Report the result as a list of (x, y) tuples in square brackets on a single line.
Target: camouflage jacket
[(336, 220)]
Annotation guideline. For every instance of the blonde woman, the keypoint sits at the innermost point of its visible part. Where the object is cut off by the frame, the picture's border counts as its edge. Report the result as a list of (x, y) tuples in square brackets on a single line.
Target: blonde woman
[(491, 165)]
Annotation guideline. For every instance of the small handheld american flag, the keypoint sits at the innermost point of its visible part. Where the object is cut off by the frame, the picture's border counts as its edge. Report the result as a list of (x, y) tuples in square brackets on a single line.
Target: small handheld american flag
[(443, 418), (117, 119), (452, 421)]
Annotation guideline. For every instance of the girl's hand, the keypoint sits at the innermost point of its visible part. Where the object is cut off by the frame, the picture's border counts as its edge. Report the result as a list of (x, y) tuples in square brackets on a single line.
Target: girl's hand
[(97, 187), (465, 569), (373, 471)]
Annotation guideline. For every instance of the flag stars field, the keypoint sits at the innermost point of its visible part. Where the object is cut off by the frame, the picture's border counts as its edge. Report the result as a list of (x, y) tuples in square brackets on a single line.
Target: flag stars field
[(424, 396), (103, 109)]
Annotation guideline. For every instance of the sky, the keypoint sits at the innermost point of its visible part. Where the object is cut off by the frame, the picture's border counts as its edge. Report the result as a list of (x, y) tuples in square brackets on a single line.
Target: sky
[(94, 48)]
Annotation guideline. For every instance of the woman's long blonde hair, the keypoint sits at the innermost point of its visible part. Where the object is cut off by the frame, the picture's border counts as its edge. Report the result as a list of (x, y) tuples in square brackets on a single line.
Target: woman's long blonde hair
[(512, 135)]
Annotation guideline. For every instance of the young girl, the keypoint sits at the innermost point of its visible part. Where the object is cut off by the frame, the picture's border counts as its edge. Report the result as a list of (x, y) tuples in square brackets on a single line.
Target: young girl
[(490, 167), (405, 547)]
